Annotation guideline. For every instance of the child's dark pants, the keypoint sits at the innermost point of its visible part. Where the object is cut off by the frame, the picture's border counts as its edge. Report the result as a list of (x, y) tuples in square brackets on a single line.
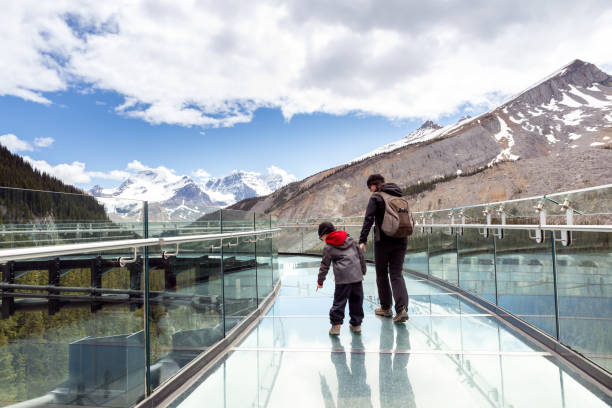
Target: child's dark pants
[(353, 292)]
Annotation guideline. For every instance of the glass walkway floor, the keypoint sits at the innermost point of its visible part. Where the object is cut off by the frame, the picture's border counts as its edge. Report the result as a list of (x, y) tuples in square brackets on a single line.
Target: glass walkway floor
[(450, 353)]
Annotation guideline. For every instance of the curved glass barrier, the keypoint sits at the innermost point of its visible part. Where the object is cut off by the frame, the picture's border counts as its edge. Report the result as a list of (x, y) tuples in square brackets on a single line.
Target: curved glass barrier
[(77, 329)]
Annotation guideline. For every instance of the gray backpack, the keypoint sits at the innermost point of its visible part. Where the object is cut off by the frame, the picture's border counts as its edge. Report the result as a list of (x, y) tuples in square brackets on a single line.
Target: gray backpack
[(397, 221)]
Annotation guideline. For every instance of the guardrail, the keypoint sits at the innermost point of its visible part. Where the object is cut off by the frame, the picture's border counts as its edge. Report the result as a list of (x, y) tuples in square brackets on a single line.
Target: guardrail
[(15, 254)]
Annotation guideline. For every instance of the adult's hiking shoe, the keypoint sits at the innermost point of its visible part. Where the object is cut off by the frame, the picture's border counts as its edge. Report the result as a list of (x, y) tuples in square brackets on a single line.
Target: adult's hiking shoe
[(401, 316), (335, 330), (355, 329), (383, 312)]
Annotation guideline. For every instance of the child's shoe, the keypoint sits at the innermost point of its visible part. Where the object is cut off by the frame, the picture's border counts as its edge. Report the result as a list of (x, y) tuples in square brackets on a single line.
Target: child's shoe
[(355, 329), (383, 312), (335, 330)]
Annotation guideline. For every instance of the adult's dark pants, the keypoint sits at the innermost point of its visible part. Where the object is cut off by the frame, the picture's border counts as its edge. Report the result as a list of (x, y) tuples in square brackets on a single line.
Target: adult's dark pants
[(353, 293), (389, 257)]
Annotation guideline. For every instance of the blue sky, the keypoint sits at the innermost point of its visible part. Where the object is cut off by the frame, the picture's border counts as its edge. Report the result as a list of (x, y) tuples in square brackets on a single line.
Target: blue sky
[(108, 88), (85, 128)]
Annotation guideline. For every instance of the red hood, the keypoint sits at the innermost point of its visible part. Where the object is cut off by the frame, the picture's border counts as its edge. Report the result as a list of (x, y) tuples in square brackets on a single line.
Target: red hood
[(336, 238)]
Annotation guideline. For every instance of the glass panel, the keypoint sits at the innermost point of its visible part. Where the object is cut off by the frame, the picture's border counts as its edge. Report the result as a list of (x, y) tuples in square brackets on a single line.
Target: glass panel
[(584, 278), (476, 263), (67, 343), (186, 312), (443, 255), (41, 218), (263, 250), (239, 268), (416, 255), (525, 279)]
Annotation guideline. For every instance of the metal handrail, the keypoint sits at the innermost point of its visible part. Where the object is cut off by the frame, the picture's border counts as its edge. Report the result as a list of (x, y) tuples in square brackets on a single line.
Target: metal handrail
[(527, 227), (16, 254)]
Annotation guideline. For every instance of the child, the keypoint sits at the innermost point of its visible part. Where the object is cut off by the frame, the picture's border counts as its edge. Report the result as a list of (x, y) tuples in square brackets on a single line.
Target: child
[(349, 268)]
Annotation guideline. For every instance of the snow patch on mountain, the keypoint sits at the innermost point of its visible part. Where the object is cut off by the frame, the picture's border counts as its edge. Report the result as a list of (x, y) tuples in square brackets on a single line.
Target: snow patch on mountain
[(504, 136), (428, 130)]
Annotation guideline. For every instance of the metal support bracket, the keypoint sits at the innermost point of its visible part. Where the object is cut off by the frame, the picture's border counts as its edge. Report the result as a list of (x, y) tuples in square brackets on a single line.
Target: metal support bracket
[(231, 245), (566, 236), (451, 217), (462, 215), (539, 233), (125, 261), (166, 254), (500, 231), (485, 231)]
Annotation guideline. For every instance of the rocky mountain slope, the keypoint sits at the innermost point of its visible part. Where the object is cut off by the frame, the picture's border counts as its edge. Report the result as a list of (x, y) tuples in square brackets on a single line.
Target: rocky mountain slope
[(180, 198), (555, 135)]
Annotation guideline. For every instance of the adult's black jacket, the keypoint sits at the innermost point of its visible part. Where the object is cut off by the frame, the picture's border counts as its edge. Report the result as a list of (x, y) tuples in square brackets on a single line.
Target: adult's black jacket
[(375, 213)]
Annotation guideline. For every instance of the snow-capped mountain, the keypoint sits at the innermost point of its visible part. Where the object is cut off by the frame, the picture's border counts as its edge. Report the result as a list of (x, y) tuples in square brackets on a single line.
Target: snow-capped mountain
[(428, 130), (560, 109), (556, 135), (243, 184), (175, 197)]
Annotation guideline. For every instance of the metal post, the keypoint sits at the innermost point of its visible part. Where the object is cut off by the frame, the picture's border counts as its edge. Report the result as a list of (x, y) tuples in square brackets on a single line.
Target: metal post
[(256, 269), (457, 257), (8, 302), (96, 281), (147, 312), (222, 272), (54, 280), (495, 269), (271, 254), (555, 287), (428, 271)]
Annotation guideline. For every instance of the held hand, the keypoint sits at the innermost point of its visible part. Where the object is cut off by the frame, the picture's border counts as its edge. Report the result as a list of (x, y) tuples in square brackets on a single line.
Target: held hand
[(362, 246)]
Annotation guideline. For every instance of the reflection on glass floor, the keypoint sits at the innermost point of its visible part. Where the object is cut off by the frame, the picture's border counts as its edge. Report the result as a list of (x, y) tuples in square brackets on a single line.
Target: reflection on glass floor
[(450, 353)]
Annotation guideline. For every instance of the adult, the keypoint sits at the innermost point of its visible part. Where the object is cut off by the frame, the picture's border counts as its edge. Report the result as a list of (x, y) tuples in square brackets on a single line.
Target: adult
[(389, 252)]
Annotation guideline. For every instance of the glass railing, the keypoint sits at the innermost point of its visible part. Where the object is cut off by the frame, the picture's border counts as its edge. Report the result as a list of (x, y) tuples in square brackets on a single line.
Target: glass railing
[(102, 312), (547, 260)]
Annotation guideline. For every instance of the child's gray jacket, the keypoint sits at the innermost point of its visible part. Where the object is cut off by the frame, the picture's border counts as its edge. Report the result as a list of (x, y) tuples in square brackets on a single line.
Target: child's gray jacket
[(348, 261)]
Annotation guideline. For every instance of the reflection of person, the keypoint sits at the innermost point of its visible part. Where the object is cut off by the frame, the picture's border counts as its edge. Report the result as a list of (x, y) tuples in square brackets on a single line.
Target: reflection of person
[(353, 389), (349, 268), (389, 252), (394, 386)]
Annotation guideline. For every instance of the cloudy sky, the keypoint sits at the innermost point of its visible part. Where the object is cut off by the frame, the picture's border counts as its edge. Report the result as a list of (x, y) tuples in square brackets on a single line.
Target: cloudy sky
[(205, 87)]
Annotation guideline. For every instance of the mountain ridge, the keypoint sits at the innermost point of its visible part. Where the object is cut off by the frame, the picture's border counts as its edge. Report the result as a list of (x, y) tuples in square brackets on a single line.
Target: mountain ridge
[(175, 197), (566, 117)]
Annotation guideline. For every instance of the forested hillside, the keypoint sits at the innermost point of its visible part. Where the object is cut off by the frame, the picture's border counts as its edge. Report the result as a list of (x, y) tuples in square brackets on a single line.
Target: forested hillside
[(18, 203)]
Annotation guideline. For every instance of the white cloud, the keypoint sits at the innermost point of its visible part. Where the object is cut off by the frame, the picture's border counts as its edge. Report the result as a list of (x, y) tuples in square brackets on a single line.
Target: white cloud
[(44, 141), (213, 63), (14, 144), (135, 165), (201, 174), (75, 172), (72, 173), (285, 175), (111, 175)]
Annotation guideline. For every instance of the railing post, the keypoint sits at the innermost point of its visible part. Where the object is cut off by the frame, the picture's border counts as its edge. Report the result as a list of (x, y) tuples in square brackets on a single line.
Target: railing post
[(54, 280), (555, 284), (8, 302), (147, 306), (96, 281), (495, 269), (222, 272), (457, 258), (428, 269), (256, 269)]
